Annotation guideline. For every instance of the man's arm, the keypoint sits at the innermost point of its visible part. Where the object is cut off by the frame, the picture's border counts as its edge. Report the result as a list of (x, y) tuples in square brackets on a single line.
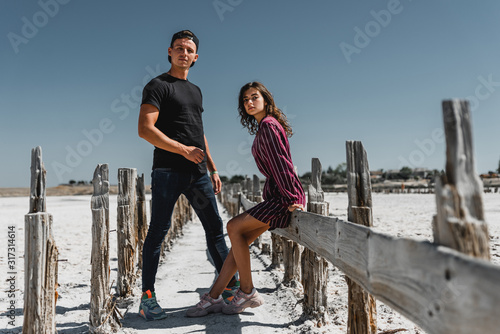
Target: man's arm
[(148, 131), (216, 182)]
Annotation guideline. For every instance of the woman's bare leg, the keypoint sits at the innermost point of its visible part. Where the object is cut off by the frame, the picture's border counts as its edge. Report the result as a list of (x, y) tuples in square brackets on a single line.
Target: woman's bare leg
[(226, 274), (242, 232), (246, 229)]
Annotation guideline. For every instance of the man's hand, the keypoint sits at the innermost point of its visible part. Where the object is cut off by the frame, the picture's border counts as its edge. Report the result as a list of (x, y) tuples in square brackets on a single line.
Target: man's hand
[(194, 154), (216, 182)]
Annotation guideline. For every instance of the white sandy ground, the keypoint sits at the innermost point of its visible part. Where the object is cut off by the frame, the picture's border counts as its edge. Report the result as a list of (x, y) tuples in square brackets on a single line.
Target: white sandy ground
[(185, 274)]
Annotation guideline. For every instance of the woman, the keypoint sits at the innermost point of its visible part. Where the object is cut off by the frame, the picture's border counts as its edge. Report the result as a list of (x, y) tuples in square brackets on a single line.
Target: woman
[(282, 194)]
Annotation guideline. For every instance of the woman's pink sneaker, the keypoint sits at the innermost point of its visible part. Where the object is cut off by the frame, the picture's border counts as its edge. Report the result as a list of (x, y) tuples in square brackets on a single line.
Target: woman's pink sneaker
[(205, 306), (241, 301)]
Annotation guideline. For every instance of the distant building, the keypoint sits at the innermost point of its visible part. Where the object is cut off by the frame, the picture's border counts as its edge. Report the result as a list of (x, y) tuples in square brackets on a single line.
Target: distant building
[(392, 174), (421, 173), (490, 175), (396, 174)]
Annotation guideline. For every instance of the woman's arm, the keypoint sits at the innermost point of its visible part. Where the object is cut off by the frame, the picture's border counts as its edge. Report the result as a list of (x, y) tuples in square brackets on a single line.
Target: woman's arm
[(280, 164)]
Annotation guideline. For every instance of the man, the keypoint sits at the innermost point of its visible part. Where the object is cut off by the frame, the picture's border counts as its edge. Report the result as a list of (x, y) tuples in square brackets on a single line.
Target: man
[(171, 119)]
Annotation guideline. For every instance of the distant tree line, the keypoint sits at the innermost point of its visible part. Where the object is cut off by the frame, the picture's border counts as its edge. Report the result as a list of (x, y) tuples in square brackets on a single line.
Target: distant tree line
[(492, 174), (338, 175), (79, 183), (330, 176), (233, 179)]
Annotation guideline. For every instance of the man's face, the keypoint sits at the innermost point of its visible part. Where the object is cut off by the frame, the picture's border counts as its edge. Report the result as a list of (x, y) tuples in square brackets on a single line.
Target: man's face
[(183, 52)]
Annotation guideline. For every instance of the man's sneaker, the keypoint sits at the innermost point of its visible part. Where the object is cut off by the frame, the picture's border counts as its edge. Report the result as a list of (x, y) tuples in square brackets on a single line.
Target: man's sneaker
[(241, 301), (149, 308), (205, 306), (228, 293)]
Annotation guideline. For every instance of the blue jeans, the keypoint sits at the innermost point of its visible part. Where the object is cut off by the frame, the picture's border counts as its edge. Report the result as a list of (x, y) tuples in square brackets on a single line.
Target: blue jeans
[(166, 187)]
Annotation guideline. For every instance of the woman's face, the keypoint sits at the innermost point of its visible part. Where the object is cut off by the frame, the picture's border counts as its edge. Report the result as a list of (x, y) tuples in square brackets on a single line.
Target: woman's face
[(254, 104)]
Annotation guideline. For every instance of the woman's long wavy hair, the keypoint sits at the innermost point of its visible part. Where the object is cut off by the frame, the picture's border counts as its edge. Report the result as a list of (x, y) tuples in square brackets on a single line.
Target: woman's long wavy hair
[(250, 122)]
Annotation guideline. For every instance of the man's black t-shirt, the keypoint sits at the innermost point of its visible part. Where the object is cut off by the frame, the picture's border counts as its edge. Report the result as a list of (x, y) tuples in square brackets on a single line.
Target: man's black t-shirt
[(180, 105)]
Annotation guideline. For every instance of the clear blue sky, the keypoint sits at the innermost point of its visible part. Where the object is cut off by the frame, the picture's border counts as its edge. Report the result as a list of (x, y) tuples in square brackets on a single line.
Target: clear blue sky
[(72, 74)]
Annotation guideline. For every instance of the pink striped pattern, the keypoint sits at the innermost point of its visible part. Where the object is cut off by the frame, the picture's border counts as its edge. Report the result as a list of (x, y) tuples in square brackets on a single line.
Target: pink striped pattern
[(271, 151)]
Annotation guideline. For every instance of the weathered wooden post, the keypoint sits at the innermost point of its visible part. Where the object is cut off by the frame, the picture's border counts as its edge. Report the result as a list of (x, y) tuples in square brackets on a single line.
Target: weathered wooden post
[(37, 185), (103, 318), (223, 197), (175, 227), (233, 196), (237, 195), (249, 188), (142, 220), (255, 195), (292, 262), (40, 257), (230, 200), (187, 212), (242, 187), (362, 310), (277, 250), (166, 245), (127, 230), (460, 223), (314, 267)]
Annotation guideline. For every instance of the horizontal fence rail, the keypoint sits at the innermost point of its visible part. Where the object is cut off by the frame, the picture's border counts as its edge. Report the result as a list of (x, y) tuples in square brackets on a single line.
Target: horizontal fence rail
[(438, 288)]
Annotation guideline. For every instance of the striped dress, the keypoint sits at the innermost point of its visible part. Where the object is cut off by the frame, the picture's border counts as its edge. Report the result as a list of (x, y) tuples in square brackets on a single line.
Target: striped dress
[(271, 151)]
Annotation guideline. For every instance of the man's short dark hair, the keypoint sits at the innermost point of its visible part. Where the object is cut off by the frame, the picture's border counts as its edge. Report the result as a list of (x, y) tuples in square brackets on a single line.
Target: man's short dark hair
[(184, 34)]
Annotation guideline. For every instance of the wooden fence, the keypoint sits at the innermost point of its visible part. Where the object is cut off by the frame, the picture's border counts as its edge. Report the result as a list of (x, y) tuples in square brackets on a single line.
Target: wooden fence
[(447, 286), (40, 295)]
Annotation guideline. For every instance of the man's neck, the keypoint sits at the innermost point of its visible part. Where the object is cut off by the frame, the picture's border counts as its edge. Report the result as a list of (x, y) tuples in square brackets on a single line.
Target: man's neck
[(178, 73)]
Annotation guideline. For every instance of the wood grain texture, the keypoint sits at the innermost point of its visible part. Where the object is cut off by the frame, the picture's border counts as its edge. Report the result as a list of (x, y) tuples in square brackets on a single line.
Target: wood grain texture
[(40, 272), (126, 231), (101, 301), (362, 309), (37, 185), (460, 220)]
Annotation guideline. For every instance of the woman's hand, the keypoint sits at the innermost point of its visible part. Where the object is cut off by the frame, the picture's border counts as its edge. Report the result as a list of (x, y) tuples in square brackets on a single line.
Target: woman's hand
[(294, 207)]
